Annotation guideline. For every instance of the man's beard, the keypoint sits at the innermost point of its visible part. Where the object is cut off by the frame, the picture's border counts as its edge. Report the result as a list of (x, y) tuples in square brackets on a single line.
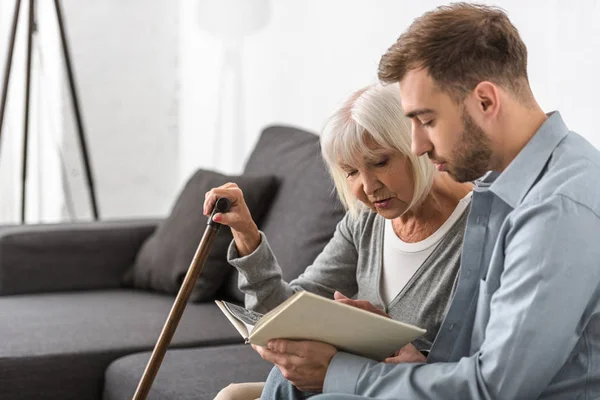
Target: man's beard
[(472, 154)]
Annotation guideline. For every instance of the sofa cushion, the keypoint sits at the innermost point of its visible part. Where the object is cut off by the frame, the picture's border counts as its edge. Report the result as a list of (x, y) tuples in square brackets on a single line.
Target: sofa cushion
[(305, 211), (57, 346), (69, 256), (166, 255), (190, 374)]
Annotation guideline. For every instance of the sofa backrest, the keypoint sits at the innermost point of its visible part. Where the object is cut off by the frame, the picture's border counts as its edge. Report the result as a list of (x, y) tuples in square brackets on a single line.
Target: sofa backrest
[(305, 210)]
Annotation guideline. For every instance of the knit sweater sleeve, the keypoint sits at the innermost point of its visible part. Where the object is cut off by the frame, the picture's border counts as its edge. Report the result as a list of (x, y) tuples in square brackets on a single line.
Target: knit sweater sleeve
[(334, 269)]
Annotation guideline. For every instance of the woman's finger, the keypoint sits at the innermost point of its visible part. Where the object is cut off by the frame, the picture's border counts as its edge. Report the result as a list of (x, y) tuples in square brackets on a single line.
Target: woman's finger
[(339, 296), (233, 193)]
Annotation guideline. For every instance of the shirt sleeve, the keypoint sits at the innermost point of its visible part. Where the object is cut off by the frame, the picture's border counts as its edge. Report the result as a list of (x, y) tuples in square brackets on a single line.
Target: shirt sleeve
[(333, 269), (538, 311)]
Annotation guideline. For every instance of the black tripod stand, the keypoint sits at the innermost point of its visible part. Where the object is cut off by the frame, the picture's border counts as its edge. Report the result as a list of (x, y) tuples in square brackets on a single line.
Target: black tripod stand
[(31, 30)]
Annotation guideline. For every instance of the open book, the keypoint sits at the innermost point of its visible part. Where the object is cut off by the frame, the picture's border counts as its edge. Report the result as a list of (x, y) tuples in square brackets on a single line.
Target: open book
[(307, 316)]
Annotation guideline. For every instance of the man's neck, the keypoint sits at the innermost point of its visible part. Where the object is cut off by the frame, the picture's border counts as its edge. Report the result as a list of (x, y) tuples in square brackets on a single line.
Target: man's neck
[(518, 125)]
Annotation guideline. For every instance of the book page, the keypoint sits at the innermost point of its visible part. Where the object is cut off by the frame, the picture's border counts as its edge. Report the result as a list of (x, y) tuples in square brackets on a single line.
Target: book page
[(240, 326), (248, 317)]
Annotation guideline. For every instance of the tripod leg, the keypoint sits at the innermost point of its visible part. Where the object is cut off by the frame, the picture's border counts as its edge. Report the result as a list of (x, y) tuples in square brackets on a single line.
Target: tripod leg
[(30, 30), (8, 66), (78, 118)]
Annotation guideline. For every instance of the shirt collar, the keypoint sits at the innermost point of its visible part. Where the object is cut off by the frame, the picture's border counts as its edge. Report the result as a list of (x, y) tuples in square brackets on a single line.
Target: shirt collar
[(513, 184)]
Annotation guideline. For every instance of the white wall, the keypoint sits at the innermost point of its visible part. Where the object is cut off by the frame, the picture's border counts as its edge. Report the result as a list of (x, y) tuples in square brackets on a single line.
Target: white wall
[(44, 180), (313, 53), (125, 62), (149, 86), (125, 57), (10, 191)]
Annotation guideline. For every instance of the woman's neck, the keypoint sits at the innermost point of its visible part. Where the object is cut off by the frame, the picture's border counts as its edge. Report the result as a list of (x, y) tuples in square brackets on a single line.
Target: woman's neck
[(421, 222)]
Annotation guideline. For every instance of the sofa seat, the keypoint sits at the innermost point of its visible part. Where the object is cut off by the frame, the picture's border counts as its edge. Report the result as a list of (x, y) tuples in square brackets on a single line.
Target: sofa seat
[(62, 343), (63, 320), (188, 374)]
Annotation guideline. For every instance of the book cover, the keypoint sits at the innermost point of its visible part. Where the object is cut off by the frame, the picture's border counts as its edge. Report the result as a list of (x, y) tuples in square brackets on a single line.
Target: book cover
[(307, 316)]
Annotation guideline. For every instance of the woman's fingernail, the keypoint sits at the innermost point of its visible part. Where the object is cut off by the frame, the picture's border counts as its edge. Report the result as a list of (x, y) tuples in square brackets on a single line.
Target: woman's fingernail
[(217, 217)]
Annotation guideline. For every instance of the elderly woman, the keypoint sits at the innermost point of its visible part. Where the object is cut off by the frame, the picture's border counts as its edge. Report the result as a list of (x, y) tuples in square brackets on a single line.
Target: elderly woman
[(398, 248)]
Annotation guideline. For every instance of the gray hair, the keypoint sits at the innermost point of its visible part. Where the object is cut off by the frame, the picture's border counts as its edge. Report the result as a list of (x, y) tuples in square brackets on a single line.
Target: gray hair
[(371, 114)]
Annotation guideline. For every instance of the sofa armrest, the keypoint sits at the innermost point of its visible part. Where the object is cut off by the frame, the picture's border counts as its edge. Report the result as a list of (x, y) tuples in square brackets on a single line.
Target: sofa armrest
[(72, 256)]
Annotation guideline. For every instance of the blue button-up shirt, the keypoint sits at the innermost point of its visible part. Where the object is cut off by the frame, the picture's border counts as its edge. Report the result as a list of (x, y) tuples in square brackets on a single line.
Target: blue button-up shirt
[(525, 319)]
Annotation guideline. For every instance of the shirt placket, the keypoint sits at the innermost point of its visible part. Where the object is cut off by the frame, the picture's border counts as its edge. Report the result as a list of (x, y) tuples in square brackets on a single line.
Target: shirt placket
[(449, 341)]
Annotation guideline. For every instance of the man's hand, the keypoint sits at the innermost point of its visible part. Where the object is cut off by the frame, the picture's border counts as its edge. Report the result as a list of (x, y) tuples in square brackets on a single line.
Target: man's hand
[(363, 304), (303, 363), (407, 354)]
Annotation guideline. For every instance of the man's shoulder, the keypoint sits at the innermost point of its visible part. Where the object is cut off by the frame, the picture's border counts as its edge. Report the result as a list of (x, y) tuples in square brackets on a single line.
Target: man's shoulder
[(570, 175), (575, 147)]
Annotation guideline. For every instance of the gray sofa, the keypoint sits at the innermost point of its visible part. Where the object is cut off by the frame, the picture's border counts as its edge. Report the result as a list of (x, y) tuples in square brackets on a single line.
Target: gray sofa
[(70, 329)]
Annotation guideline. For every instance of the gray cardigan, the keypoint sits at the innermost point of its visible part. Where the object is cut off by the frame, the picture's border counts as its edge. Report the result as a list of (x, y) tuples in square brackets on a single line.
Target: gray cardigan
[(352, 263)]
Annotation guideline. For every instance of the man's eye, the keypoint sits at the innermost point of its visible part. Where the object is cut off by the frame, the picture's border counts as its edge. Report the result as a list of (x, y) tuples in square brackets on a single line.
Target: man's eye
[(428, 123)]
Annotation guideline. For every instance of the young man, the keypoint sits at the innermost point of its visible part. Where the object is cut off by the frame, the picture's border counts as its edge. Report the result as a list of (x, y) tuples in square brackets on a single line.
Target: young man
[(525, 319)]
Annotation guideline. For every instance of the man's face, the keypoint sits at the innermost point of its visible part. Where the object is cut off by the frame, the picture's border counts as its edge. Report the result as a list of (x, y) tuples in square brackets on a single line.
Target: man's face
[(443, 129)]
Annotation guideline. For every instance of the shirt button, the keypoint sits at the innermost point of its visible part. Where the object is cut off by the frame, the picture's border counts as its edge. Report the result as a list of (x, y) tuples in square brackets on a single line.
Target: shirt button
[(451, 327)]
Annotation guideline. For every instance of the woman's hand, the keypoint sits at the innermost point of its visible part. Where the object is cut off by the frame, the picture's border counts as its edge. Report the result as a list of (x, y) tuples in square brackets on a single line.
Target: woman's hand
[(407, 354), (304, 363), (245, 232), (362, 304)]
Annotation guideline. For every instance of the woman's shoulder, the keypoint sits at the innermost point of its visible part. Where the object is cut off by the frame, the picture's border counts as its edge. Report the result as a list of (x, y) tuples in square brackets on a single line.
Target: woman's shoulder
[(362, 222)]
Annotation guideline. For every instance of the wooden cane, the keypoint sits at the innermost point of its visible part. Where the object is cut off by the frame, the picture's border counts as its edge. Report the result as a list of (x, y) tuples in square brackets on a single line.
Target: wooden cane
[(222, 205)]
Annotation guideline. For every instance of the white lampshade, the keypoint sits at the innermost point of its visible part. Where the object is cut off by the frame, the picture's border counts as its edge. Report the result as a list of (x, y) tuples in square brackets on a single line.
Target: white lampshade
[(232, 18)]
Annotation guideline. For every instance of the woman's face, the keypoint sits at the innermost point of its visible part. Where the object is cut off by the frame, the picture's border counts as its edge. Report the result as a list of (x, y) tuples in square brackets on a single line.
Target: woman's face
[(383, 183)]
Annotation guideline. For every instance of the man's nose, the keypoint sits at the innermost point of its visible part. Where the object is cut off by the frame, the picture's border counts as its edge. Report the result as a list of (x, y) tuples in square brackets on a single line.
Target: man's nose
[(420, 141)]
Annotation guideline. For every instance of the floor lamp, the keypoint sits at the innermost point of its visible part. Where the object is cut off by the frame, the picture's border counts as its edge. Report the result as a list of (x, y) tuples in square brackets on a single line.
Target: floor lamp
[(31, 31), (231, 21)]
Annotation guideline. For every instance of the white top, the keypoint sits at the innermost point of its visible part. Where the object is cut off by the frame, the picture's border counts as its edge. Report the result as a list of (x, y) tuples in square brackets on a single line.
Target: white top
[(401, 260)]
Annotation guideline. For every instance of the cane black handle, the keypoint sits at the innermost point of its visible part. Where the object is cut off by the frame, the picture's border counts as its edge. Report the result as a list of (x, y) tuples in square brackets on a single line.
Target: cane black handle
[(222, 205)]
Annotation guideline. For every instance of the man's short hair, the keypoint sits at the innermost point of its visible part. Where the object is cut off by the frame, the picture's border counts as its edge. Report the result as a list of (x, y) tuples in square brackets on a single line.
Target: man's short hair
[(461, 45)]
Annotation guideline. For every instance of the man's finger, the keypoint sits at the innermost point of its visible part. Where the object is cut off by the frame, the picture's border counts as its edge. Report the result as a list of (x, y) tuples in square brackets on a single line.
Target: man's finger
[(396, 360)]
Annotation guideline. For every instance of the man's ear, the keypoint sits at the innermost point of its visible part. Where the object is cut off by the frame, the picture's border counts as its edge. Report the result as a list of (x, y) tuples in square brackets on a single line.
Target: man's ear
[(486, 98)]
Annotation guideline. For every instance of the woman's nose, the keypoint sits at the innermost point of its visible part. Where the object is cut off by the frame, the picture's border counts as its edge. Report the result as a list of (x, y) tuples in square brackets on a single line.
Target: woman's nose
[(370, 184)]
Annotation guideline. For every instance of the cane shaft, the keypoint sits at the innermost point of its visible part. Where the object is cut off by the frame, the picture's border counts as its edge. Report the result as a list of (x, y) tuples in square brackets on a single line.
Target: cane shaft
[(175, 314)]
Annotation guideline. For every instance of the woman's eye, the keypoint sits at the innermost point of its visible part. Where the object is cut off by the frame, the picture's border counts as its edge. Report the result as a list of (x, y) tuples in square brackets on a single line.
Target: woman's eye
[(382, 163), (350, 173)]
